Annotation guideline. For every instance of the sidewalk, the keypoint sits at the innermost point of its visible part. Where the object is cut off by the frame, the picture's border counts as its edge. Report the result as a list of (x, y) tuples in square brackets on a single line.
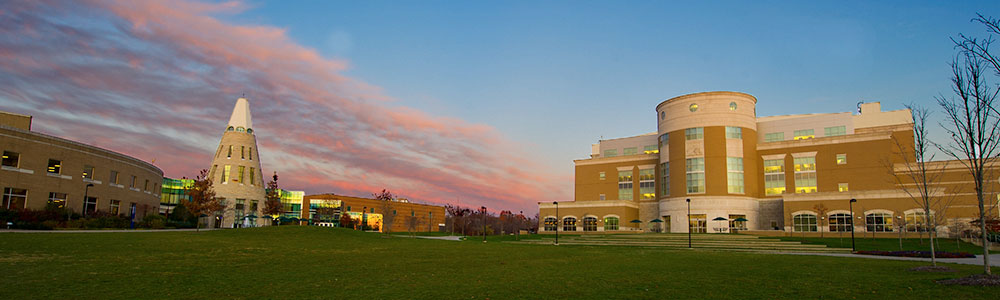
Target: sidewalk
[(994, 258), (445, 238), (100, 231)]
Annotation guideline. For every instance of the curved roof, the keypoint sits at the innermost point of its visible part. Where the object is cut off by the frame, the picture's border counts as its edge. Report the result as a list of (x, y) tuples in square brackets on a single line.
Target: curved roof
[(241, 114), (702, 94)]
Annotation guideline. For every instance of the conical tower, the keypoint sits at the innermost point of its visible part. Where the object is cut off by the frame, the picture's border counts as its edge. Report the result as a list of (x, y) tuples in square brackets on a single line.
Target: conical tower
[(235, 172)]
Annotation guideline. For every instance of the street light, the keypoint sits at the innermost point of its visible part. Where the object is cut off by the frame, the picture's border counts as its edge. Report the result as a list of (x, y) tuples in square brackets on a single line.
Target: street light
[(484, 223), (851, 204), (689, 222), (556, 203), (86, 191)]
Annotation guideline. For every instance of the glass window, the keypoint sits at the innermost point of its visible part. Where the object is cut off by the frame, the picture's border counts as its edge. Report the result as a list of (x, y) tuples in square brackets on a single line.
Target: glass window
[(243, 152), (602, 197), (590, 224), (57, 200), (663, 115), (842, 187), (693, 107), (240, 174), (88, 172), (113, 178), (695, 175), (696, 223), (569, 224), (610, 223), (737, 225), (835, 131), (804, 134), (732, 106), (650, 149), (611, 153), (250, 153), (734, 132), (225, 173), (134, 181), (734, 166), (624, 185), (145, 186), (917, 221), (664, 140), (696, 133), (665, 179), (647, 184), (14, 198), (230, 128), (601, 175), (774, 176), (230, 153), (842, 159), (550, 224), (240, 207), (630, 151), (804, 223), (115, 204), (251, 176), (55, 166), (90, 206), (878, 222), (774, 137), (841, 223), (805, 175), (11, 159)]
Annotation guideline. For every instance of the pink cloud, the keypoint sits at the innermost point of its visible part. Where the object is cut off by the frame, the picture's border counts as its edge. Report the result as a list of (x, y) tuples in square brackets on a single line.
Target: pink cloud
[(156, 79)]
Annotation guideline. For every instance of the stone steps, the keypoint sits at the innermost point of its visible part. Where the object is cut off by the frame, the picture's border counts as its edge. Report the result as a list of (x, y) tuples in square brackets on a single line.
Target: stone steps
[(720, 242)]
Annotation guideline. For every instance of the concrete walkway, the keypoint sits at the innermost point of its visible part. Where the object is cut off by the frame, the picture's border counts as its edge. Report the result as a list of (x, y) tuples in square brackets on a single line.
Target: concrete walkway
[(994, 258), (444, 238), (101, 231)]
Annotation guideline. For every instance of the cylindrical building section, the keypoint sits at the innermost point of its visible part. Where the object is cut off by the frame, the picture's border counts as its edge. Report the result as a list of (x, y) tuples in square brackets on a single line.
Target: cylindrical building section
[(708, 150)]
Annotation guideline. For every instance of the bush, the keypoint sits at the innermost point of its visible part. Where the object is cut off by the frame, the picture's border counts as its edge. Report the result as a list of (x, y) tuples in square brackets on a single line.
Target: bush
[(154, 221)]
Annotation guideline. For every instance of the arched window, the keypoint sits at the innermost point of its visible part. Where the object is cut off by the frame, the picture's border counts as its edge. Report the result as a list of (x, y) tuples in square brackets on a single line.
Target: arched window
[(230, 128), (878, 222), (569, 224), (841, 223), (249, 130), (804, 223), (240, 129), (610, 223), (917, 220), (550, 224), (590, 224)]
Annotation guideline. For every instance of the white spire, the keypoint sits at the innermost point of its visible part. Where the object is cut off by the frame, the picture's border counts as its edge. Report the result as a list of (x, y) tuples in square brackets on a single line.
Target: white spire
[(241, 114)]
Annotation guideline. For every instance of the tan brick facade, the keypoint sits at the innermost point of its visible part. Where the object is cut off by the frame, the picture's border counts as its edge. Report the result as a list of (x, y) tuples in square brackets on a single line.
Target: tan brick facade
[(426, 217)]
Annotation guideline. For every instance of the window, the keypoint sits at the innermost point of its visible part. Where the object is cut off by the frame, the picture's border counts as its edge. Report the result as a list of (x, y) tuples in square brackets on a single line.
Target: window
[(134, 180), (90, 206), (647, 184), (115, 204), (841, 223), (664, 140), (665, 179), (240, 174), (650, 149), (14, 198), (878, 222), (590, 224), (774, 176), (243, 152), (550, 224), (55, 166), (693, 107), (804, 134), (696, 223), (917, 221), (805, 175), (695, 175), (251, 176), (601, 175), (217, 152), (145, 186), (804, 223), (732, 106), (88, 172), (734, 132), (842, 159), (240, 206), (835, 131), (624, 185), (663, 115), (569, 224), (250, 153), (842, 187), (737, 225), (630, 151), (11, 159), (734, 168), (230, 153), (774, 137), (611, 153), (610, 223), (240, 129), (114, 177), (57, 200), (696, 133), (602, 197), (230, 128), (225, 173)]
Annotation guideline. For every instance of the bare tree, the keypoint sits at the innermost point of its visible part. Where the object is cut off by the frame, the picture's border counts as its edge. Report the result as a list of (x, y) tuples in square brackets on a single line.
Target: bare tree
[(388, 209), (821, 210), (203, 201), (272, 200), (972, 117), (412, 222)]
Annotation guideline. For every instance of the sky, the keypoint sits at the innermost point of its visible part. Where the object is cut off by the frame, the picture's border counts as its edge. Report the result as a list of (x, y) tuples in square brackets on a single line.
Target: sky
[(478, 103)]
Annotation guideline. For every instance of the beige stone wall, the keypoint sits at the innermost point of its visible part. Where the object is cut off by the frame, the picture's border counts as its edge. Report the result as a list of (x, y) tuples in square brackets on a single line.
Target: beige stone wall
[(244, 154), (625, 211), (13, 120), (36, 149)]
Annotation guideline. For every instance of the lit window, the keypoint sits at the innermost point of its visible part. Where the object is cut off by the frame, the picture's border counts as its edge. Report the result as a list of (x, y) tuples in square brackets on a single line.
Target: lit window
[(630, 151), (611, 153), (569, 224), (251, 176), (732, 106), (841, 223), (225, 173), (693, 107), (11, 159), (115, 205), (90, 205), (774, 176), (734, 166), (804, 223), (602, 175), (878, 222), (57, 200), (664, 141), (550, 224), (841, 159), (113, 178), (240, 129), (734, 132), (842, 187), (625, 185), (835, 131), (590, 224), (805, 175), (55, 166), (650, 149), (647, 183), (774, 137), (695, 175), (804, 134), (696, 223), (610, 224), (917, 221), (665, 179), (88, 172), (240, 174), (696, 133), (14, 198)]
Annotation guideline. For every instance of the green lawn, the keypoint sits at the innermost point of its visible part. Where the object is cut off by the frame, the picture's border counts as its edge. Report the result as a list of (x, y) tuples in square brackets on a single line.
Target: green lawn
[(889, 244), (311, 262)]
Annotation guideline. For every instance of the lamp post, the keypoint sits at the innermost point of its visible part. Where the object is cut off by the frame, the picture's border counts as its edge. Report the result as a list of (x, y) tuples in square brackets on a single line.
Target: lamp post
[(901, 223), (86, 192), (689, 222), (851, 204), (556, 203), (484, 223)]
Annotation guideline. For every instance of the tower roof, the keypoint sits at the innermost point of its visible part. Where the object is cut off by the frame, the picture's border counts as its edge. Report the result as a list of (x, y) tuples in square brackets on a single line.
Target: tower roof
[(241, 114)]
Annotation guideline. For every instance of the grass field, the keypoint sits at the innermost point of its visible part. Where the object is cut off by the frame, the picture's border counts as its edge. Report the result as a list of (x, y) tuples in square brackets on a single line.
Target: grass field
[(889, 244), (312, 262)]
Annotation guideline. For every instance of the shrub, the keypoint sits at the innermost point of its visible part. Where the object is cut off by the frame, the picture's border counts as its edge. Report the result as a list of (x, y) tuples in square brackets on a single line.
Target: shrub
[(154, 221)]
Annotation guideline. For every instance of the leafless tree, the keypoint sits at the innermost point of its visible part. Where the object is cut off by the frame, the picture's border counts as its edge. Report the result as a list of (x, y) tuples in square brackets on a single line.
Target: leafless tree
[(972, 117), (387, 206)]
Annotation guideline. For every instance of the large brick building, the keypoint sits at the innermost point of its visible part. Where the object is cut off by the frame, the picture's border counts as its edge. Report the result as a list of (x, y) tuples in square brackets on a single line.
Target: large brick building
[(408, 216)]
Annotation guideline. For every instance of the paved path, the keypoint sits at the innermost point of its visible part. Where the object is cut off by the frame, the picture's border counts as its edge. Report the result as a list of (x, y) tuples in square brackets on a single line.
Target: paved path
[(446, 237), (101, 231), (994, 258)]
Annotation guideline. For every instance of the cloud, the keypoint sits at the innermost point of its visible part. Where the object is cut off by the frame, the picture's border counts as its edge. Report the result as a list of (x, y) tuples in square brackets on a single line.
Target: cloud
[(157, 80)]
